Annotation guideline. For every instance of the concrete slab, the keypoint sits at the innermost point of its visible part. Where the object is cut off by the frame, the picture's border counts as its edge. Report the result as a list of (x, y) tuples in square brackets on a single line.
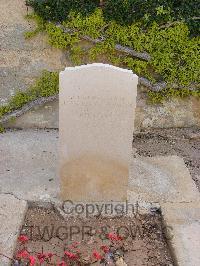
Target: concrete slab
[(183, 223), (28, 169), (161, 179), (12, 212), (28, 164)]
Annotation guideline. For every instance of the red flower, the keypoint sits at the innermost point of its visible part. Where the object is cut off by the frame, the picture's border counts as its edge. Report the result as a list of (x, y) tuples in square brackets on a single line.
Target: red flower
[(105, 249), (23, 254), (75, 244), (32, 260), (97, 255), (23, 239), (62, 263), (50, 255), (114, 237), (71, 255), (41, 257)]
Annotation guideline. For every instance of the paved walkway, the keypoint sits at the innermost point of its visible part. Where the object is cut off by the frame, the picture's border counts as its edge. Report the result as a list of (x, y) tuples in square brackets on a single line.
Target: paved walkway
[(28, 169), (28, 164), (12, 213)]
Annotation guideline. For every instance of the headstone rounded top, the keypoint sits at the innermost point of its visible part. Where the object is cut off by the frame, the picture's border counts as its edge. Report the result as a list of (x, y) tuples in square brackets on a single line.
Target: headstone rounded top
[(98, 65)]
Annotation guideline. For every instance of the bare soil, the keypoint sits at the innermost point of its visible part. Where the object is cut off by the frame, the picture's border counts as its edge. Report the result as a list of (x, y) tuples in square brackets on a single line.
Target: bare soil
[(184, 142), (142, 241)]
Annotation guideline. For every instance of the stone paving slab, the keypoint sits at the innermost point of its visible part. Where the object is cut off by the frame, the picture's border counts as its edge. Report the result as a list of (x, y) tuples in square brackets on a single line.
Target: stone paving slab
[(28, 161), (28, 169), (161, 179), (12, 213), (183, 223)]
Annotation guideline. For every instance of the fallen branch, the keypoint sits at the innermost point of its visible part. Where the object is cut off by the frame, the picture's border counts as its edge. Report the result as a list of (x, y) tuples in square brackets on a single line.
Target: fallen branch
[(154, 87), (169, 24), (159, 86), (16, 113), (124, 49), (195, 18)]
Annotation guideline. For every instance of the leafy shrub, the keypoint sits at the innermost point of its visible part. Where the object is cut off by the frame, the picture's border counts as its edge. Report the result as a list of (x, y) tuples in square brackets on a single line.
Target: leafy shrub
[(58, 10), (130, 11), (40, 26), (149, 11), (125, 11), (166, 94), (175, 57)]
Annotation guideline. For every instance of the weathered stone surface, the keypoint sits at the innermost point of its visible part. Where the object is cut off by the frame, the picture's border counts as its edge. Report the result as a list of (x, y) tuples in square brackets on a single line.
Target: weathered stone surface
[(12, 212), (28, 164), (39, 117), (28, 160), (96, 123), (22, 60), (174, 113), (182, 222), (161, 179)]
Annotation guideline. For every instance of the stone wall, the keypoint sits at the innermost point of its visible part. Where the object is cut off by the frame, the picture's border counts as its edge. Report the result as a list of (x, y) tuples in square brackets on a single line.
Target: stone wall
[(23, 60), (174, 113)]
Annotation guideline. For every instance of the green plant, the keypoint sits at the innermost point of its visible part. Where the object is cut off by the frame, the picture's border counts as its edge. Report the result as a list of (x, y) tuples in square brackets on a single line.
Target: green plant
[(166, 94), (2, 129), (159, 11), (40, 26), (57, 10), (44, 86), (140, 67), (124, 11), (58, 38), (175, 56)]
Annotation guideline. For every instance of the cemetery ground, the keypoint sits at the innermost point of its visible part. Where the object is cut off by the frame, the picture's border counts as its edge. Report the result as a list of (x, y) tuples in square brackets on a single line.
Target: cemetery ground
[(184, 142), (141, 240), (37, 183), (165, 169)]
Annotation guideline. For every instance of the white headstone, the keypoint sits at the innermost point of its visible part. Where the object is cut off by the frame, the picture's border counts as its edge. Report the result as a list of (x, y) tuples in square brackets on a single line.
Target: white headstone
[(96, 124)]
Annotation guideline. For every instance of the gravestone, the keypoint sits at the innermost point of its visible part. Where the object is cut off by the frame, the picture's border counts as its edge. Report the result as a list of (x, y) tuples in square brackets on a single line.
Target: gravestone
[(96, 123)]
